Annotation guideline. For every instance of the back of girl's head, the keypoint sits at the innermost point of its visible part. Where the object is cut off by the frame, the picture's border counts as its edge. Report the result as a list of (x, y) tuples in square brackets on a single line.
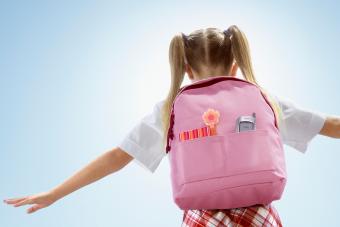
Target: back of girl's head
[(206, 50)]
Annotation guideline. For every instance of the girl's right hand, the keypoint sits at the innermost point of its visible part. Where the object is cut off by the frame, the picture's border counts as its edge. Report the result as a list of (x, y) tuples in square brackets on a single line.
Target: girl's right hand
[(107, 163), (40, 200)]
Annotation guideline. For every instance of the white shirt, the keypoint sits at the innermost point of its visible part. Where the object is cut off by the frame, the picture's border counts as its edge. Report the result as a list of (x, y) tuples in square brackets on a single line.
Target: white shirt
[(144, 141)]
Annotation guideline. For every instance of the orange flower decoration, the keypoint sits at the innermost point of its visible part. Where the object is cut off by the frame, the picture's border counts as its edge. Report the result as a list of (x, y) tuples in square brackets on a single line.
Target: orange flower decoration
[(211, 117)]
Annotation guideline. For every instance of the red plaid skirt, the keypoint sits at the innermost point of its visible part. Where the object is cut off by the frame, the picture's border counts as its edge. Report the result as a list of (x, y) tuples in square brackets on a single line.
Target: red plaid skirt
[(257, 215)]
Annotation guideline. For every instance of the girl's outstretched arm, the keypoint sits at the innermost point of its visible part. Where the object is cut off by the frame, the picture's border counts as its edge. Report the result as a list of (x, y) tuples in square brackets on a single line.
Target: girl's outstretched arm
[(105, 164), (331, 127)]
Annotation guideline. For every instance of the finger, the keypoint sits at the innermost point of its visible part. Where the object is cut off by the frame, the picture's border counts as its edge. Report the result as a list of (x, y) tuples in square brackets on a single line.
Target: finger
[(35, 208), (23, 202), (15, 200)]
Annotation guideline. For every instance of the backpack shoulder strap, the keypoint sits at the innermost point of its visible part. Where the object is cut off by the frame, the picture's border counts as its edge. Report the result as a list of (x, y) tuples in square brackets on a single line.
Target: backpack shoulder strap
[(273, 105)]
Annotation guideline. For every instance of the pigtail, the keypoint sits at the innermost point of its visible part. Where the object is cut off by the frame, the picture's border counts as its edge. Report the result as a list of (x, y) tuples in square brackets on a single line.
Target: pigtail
[(177, 67), (241, 52)]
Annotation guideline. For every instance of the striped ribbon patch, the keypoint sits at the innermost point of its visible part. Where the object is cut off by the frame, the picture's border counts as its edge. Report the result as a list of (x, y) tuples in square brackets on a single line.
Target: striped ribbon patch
[(195, 133)]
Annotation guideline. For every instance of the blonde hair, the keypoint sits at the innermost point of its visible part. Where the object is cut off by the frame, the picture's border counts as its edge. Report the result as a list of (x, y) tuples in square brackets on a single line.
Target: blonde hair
[(211, 48)]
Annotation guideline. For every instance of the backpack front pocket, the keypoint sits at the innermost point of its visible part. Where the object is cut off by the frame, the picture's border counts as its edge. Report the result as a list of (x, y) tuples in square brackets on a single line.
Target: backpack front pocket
[(201, 158), (249, 151)]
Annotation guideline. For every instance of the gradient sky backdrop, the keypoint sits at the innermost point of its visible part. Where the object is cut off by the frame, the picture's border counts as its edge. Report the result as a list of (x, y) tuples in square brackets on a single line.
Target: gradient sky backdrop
[(76, 76)]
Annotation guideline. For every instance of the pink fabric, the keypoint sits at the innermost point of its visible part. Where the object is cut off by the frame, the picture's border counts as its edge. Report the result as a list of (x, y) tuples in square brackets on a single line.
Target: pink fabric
[(229, 169)]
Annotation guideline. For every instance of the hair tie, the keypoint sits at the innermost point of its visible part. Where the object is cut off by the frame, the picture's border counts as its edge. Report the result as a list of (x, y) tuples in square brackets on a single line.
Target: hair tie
[(228, 33), (185, 39)]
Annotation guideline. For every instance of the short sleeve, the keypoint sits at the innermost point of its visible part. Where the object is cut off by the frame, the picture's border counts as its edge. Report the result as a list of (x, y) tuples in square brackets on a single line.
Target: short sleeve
[(299, 125), (144, 141)]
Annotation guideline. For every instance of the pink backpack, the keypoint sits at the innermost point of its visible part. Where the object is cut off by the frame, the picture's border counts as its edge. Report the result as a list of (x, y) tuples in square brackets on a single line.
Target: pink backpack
[(224, 146)]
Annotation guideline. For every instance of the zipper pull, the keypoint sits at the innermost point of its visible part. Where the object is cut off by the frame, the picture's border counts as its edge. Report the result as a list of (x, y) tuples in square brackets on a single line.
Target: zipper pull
[(172, 126), (170, 132)]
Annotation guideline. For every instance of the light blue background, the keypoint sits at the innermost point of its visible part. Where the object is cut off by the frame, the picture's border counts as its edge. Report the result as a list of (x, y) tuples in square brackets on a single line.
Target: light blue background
[(76, 76)]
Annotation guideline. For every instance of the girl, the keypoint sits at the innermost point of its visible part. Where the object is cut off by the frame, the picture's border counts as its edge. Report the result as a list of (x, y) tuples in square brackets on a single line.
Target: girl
[(204, 53)]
